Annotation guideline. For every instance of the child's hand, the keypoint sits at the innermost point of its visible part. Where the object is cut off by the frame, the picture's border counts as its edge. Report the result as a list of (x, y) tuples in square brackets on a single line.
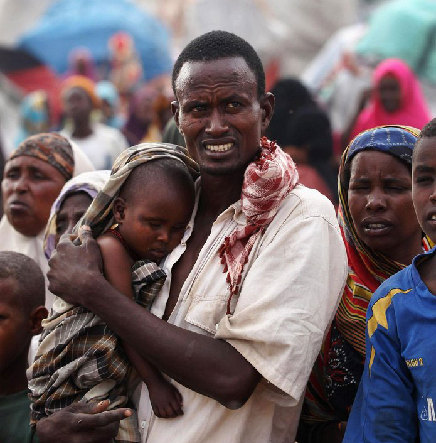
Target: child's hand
[(166, 400)]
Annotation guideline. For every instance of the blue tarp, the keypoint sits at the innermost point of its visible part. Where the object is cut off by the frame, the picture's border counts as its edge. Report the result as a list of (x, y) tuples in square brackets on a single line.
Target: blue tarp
[(69, 24)]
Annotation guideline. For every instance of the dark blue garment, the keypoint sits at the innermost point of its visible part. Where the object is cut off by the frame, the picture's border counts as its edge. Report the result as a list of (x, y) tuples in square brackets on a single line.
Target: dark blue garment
[(396, 401)]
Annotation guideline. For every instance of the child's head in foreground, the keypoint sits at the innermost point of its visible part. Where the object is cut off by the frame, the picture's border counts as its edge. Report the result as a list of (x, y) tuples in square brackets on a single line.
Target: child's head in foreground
[(154, 207), (22, 299), (424, 179)]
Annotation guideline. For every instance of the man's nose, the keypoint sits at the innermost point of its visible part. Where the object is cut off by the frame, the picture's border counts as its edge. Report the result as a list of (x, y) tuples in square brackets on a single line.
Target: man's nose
[(217, 124)]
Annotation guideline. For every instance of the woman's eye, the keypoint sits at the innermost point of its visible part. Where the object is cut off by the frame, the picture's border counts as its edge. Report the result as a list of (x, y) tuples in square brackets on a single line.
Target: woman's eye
[(423, 179), (11, 174), (38, 175)]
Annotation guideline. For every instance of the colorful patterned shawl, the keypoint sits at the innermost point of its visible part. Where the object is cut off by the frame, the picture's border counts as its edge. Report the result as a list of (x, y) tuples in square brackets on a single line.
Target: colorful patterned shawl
[(337, 370)]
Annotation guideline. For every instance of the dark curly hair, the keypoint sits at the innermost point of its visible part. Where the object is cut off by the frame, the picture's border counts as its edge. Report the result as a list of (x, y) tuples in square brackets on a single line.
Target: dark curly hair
[(428, 131), (215, 45)]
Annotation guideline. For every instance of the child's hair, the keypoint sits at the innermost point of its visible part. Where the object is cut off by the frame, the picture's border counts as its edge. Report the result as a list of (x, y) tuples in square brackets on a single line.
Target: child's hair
[(429, 130), (30, 284), (164, 169)]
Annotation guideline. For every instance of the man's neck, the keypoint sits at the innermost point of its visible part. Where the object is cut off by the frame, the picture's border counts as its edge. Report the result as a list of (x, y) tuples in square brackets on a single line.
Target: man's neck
[(82, 129), (218, 192)]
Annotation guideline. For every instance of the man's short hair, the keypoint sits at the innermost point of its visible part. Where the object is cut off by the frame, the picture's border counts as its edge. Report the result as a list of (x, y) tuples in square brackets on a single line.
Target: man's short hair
[(30, 284), (216, 45)]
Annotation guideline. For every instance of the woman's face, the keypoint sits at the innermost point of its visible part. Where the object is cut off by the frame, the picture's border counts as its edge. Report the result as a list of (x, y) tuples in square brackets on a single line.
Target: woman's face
[(29, 188), (70, 212), (380, 203), (389, 90)]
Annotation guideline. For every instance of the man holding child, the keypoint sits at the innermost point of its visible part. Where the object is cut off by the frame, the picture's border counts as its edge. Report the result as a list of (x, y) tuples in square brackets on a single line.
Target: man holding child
[(251, 288)]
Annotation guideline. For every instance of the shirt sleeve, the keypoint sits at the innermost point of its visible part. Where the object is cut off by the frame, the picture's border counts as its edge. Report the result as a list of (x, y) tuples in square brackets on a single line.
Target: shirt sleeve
[(286, 302), (385, 410)]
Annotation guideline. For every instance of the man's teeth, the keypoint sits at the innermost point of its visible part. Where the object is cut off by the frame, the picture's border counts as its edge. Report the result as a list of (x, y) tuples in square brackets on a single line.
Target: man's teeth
[(375, 226), (219, 148), (433, 217)]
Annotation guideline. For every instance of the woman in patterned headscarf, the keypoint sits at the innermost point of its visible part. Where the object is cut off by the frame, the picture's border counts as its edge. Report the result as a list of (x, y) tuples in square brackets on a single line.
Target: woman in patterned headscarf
[(381, 236), (33, 177)]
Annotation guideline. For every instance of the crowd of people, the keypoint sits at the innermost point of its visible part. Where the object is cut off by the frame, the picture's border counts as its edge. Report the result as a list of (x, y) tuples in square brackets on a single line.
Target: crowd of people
[(190, 269)]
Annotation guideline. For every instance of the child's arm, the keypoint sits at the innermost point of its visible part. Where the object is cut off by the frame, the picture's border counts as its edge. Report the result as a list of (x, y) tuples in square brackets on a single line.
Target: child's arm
[(165, 398)]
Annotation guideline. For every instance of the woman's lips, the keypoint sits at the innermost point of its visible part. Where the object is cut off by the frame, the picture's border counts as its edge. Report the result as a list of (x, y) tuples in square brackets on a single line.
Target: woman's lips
[(376, 228), (17, 205)]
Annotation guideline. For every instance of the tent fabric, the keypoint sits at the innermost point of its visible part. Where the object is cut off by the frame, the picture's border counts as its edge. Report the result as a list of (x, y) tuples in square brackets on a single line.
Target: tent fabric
[(69, 24), (404, 29)]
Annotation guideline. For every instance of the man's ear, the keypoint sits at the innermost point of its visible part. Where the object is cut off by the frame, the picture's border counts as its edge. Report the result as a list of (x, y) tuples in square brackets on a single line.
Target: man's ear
[(175, 111), (118, 209), (267, 105), (35, 318)]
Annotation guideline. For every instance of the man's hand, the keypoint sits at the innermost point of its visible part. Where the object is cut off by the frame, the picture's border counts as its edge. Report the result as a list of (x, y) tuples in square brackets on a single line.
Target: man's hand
[(75, 269), (89, 423)]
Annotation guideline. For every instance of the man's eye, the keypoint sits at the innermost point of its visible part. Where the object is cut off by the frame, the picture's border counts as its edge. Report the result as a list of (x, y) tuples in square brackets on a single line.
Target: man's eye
[(199, 108), (234, 105)]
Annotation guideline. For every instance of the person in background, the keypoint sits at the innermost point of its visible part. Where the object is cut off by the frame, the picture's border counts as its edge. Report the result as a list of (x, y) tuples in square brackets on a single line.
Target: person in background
[(101, 143), (126, 69), (171, 134), (81, 62), (34, 115), (22, 299), (70, 205), (109, 104), (381, 236), (397, 395), (395, 99), (299, 122), (141, 114), (34, 175)]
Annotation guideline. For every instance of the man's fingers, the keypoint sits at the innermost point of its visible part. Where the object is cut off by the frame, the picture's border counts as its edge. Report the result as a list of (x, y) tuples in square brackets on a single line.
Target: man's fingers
[(99, 407), (85, 233), (100, 419)]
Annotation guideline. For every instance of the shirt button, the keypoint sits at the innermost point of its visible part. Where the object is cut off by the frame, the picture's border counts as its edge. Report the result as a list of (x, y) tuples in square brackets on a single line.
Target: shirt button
[(143, 423)]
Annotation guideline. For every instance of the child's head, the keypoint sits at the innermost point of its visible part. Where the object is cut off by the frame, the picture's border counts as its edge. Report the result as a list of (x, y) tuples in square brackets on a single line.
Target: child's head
[(22, 298), (154, 207), (424, 179)]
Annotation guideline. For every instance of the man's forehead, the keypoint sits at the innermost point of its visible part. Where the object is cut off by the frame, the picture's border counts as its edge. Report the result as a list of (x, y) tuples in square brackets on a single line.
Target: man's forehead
[(197, 73)]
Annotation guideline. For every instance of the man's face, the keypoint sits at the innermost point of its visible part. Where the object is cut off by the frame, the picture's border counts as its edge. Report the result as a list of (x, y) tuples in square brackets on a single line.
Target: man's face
[(78, 104), (220, 114)]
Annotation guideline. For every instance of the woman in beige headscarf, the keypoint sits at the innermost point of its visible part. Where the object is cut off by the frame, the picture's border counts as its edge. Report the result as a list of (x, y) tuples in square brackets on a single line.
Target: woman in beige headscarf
[(33, 176)]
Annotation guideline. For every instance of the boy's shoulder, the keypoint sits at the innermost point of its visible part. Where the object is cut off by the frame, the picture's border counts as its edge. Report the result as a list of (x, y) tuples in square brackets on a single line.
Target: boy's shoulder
[(399, 283), (405, 281), (112, 246)]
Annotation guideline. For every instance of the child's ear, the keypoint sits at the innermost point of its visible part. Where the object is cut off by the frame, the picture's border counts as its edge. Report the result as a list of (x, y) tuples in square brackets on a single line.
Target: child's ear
[(118, 209), (35, 318)]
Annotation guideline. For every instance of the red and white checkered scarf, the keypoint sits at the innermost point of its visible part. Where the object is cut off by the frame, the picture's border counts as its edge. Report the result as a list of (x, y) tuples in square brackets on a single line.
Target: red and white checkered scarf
[(267, 181)]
